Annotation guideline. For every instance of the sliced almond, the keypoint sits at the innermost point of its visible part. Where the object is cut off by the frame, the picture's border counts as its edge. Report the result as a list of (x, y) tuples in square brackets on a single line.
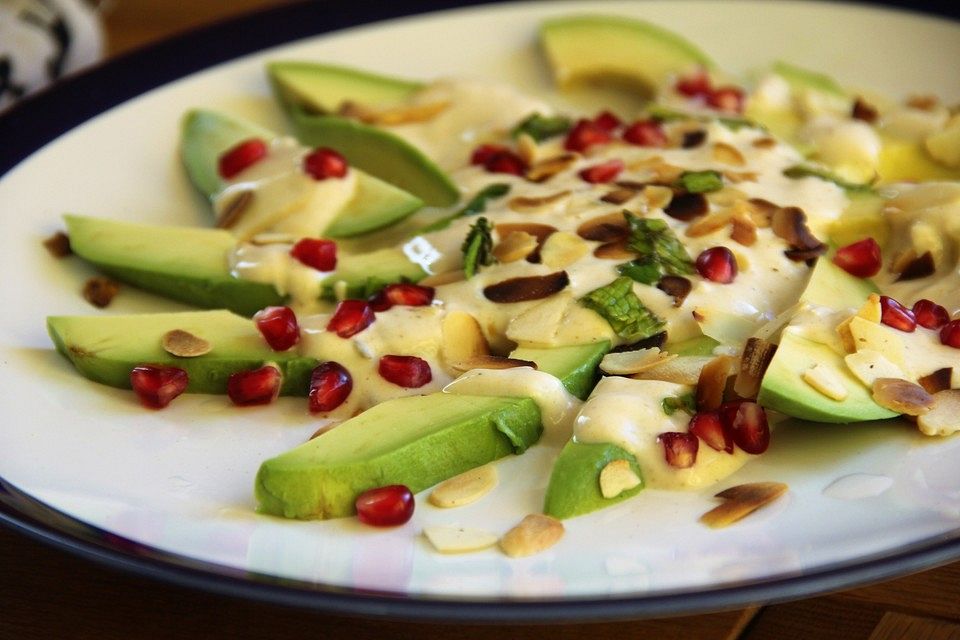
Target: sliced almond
[(764, 143), (740, 176), (605, 228), (846, 338), (868, 365), (58, 245), (677, 287), (943, 418), (680, 370), (757, 354), (233, 210), (539, 231), (619, 196), (184, 344), (461, 338), (657, 196), (826, 380), (517, 245), (100, 291), (901, 396), (728, 154), (527, 148), (546, 169), (562, 249), (657, 169), (447, 539), (617, 250), (743, 230), (710, 223), (729, 197), (534, 534), (465, 488), (265, 239), (626, 363), (880, 338), (408, 114), (531, 204), (712, 383), (790, 224), (490, 362), (740, 501), (939, 380), (616, 477), (447, 277), (527, 288)]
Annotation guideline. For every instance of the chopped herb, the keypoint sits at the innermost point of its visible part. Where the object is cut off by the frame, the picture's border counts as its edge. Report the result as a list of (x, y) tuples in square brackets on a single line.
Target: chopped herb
[(477, 204), (653, 239), (686, 403), (700, 181), (808, 171), (668, 114), (540, 127), (621, 307), (645, 270), (477, 247)]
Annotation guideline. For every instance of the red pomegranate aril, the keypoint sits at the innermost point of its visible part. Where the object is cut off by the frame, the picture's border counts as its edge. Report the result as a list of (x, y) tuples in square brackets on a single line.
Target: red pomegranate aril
[(679, 449), (330, 384), (710, 428), (607, 120), (694, 85), (717, 264), (317, 253), (505, 161), (585, 134), (324, 162), (405, 371), (240, 156), (728, 99), (747, 422), (646, 133), (388, 506), (862, 259), (950, 334), (893, 314), (351, 317), (404, 294), (929, 314), (259, 386), (278, 326), (601, 173), (156, 385), (484, 152)]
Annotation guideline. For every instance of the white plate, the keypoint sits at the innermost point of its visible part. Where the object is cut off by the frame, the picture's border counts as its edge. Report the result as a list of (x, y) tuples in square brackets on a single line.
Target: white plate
[(180, 480)]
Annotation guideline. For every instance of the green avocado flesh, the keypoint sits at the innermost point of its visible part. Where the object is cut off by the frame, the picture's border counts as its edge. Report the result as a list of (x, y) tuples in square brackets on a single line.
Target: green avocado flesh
[(182, 263), (784, 390), (575, 365), (362, 275), (324, 88), (416, 441), (591, 47), (801, 79), (574, 487), (106, 348)]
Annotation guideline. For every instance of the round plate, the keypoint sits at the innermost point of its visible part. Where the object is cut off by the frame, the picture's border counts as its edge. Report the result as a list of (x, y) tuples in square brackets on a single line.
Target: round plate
[(168, 493)]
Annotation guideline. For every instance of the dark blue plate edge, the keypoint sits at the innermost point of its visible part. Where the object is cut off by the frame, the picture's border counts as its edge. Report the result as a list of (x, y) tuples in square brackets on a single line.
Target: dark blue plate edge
[(45, 116)]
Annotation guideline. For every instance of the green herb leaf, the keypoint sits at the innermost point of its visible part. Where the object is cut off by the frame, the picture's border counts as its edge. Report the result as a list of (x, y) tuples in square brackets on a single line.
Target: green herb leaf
[(477, 204), (541, 127), (621, 307), (700, 181), (477, 246), (808, 171), (653, 239), (668, 114), (645, 270), (686, 403)]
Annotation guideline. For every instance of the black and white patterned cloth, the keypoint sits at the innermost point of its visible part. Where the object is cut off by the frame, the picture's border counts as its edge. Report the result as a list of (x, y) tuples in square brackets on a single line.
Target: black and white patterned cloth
[(42, 40)]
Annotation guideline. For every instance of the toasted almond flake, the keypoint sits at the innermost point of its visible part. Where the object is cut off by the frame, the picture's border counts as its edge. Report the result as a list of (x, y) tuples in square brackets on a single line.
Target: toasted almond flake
[(710, 223), (527, 148), (627, 363), (764, 143), (826, 380), (712, 383), (515, 246), (355, 111), (619, 195), (264, 239), (448, 539), (534, 534), (184, 344), (939, 380), (743, 262), (868, 365), (882, 339), (729, 197), (527, 288), (617, 250), (546, 169), (727, 154), (562, 249), (846, 337), (680, 370), (100, 291), (901, 396), (58, 245), (490, 362), (744, 230), (943, 418), (740, 501), (536, 204), (656, 169), (408, 114), (446, 277), (676, 287), (657, 196), (925, 102), (233, 210), (605, 228), (461, 338), (757, 354), (465, 488), (616, 477), (740, 176)]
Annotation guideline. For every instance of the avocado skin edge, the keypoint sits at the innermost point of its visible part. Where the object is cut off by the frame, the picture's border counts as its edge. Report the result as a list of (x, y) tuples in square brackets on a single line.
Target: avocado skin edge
[(574, 487)]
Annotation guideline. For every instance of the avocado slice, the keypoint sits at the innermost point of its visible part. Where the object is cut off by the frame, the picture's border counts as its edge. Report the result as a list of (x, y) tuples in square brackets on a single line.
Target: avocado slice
[(106, 348), (783, 389), (373, 205), (801, 79), (326, 87), (591, 47), (574, 487), (574, 365)]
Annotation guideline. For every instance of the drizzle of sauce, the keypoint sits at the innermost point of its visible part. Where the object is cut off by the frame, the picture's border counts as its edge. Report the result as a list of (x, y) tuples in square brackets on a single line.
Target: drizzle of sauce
[(858, 486)]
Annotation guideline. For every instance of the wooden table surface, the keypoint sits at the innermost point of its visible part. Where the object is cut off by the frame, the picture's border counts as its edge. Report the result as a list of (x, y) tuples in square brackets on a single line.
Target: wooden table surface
[(46, 593)]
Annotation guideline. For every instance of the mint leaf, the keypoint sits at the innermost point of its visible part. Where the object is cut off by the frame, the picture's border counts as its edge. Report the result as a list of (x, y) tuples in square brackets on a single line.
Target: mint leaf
[(686, 403), (541, 127), (476, 204), (700, 181), (476, 247), (621, 307), (808, 171), (645, 270), (653, 239)]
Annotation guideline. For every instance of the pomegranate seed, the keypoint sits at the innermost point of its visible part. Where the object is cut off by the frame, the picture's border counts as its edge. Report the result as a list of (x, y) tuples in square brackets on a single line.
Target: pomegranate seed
[(351, 317), (717, 264), (405, 371), (404, 293), (680, 449), (950, 334), (279, 327), (605, 172), (893, 314), (505, 161), (711, 429), (385, 506), (727, 99), (484, 152), (607, 120), (316, 253), (259, 386), (240, 156), (695, 85), (330, 384), (323, 163), (156, 385), (929, 314), (646, 133), (584, 135), (861, 259), (747, 421)]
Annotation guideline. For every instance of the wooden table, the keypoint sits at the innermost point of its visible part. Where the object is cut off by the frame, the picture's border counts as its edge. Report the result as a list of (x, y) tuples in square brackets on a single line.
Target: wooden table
[(46, 593)]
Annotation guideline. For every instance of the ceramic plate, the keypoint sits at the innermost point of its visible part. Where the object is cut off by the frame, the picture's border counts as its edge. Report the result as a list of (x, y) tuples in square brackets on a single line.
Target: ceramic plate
[(170, 492)]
